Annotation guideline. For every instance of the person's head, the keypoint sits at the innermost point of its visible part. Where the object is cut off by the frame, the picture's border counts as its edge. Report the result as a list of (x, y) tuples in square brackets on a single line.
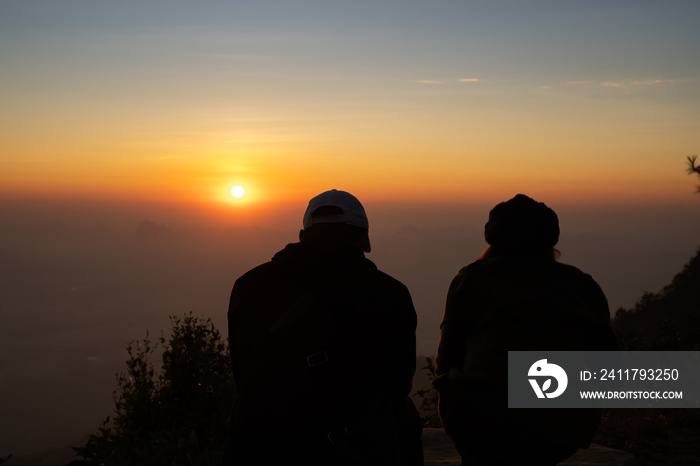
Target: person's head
[(522, 226), (336, 221)]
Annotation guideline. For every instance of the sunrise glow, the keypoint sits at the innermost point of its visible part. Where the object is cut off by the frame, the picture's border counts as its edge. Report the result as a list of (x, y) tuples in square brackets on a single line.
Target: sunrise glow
[(92, 112)]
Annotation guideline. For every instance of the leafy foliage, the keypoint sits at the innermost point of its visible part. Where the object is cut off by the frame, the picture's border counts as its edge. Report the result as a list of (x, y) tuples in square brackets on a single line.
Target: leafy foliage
[(172, 416), (655, 436), (665, 321), (692, 168), (427, 398)]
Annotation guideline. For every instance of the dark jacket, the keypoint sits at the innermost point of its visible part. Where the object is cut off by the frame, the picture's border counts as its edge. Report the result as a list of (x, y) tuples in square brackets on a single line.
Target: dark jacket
[(515, 302), (377, 361)]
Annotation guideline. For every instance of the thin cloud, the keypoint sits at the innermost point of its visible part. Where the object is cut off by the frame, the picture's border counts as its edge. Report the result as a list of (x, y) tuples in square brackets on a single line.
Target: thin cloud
[(653, 82), (628, 84), (469, 80), (427, 81), (632, 85)]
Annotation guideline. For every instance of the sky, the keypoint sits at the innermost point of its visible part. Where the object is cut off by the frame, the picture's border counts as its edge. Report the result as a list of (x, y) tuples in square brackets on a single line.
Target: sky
[(430, 101), (125, 124)]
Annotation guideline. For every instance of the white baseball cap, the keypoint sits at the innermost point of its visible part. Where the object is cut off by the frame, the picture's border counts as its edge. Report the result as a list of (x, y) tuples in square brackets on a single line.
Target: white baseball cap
[(352, 211)]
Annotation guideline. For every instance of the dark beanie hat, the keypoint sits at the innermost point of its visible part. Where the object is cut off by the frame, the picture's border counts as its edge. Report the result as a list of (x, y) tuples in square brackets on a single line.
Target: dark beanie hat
[(522, 223)]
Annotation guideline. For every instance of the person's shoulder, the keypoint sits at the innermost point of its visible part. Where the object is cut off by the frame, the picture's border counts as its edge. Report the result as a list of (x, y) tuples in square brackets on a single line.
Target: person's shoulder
[(256, 274), (379, 277), (478, 264), (577, 279), (271, 267), (571, 270), (383, 281), (394, 296), (469, 276), (474, 270), (388, 281)]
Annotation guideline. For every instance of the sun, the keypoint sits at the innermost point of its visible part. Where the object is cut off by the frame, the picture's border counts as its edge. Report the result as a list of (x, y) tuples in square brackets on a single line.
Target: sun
[(237, 191)]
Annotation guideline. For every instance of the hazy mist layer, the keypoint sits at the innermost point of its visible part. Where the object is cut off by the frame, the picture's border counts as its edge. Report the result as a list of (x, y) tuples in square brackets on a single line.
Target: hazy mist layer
[(79, 281)]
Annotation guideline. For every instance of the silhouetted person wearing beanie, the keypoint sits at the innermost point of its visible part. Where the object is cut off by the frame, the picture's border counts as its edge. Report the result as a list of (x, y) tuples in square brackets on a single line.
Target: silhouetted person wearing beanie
[(516, 297)]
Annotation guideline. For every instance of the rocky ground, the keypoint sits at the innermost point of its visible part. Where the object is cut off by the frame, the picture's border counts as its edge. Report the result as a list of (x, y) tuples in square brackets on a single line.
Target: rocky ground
[(439, 450)]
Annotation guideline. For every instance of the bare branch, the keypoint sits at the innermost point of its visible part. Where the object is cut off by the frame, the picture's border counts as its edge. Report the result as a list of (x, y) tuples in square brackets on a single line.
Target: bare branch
[(692, 168)]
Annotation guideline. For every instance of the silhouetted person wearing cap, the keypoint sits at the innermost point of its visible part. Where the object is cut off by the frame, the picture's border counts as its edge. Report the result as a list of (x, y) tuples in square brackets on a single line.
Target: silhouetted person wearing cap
[(516, 297), (323, 351)]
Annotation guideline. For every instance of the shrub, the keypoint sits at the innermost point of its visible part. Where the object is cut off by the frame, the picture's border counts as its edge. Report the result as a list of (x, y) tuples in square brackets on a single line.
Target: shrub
[(426, 398), (172, 416)]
